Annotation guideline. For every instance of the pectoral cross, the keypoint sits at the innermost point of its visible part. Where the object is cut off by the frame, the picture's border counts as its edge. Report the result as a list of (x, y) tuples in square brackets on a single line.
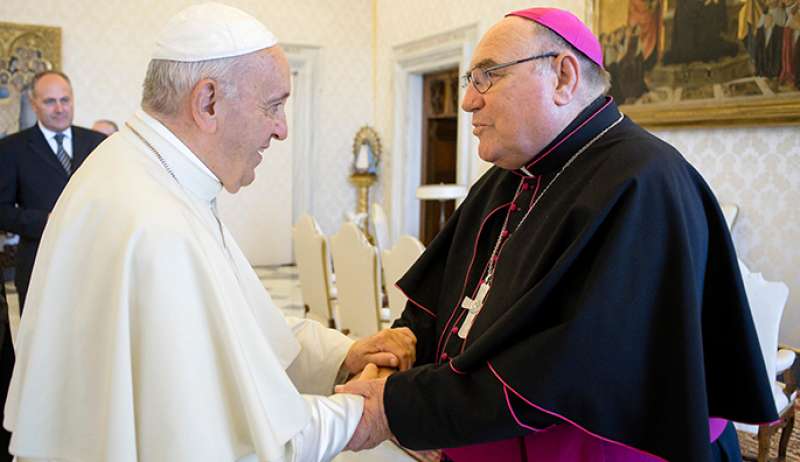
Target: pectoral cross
[(473, 307)]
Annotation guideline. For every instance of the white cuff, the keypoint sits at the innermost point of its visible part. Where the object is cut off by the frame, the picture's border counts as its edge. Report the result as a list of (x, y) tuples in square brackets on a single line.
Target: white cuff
[(333, 421)]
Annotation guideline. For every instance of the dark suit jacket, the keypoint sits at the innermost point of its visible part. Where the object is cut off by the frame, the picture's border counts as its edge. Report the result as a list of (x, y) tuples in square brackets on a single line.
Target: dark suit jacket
[(31, 179)]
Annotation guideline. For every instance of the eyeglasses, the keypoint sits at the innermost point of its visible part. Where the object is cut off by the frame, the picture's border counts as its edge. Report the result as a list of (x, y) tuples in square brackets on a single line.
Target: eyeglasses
[(481, 78)]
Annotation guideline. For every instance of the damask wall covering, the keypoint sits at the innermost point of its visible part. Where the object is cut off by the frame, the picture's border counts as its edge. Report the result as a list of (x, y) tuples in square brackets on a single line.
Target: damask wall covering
[(106, 44), (759, 170)]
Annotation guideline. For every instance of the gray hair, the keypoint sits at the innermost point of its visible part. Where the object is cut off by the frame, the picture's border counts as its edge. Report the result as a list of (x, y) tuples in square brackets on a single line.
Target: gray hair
[(598, 80), (168, 82)]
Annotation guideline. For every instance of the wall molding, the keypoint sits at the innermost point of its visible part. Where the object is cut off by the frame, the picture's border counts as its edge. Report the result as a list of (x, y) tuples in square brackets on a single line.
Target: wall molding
[(304, 63), (410, 61)]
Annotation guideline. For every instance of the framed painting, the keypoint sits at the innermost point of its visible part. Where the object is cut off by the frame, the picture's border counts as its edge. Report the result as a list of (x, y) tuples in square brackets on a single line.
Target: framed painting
[(699, 63), (24, 51)]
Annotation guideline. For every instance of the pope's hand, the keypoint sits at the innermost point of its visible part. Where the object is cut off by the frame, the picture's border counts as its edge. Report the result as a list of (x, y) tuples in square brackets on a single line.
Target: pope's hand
[(370, 372), (373, 373), (373, 428), (393, 348)]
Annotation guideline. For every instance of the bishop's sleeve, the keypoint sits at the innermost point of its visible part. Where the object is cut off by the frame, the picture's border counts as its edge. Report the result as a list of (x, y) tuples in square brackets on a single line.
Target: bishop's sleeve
[(434, 407)]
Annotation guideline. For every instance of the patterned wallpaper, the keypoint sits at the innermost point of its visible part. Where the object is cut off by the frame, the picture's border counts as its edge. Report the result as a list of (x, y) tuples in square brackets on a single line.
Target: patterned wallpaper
[(756, 168), (759, 170), (106, 46)]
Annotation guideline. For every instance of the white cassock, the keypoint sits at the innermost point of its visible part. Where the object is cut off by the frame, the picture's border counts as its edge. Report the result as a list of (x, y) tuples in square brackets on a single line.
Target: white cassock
[(148, 337)]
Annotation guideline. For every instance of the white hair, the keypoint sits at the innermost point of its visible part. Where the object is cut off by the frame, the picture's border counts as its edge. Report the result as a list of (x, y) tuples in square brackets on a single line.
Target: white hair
[(168, 82)]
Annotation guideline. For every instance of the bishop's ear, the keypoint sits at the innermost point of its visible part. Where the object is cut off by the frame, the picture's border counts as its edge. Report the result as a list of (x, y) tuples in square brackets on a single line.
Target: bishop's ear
[(203, 100), (568, 71)]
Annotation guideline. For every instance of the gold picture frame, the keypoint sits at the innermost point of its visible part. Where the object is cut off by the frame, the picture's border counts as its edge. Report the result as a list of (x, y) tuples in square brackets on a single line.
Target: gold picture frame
[(701, 63), (25, 49)]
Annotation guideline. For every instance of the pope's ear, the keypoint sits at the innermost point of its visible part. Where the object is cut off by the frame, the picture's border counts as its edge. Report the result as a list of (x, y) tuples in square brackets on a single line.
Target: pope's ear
[(203, 102), (568, 72)]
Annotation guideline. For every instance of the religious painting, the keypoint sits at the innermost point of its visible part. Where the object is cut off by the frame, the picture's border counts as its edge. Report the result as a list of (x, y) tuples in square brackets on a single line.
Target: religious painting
[(698, 63), (24, 51)]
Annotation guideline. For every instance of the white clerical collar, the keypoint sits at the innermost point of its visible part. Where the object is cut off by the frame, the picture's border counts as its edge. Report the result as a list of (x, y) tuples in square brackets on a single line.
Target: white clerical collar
[(187, 168)]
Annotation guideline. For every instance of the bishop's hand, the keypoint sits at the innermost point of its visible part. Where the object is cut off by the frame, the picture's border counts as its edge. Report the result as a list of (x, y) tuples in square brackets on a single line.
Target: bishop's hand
[(391, 348), (373, 428)]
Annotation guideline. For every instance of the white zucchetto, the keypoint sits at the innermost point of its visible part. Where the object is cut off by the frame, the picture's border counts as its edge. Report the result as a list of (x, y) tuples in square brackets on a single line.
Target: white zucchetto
[(211, 31)]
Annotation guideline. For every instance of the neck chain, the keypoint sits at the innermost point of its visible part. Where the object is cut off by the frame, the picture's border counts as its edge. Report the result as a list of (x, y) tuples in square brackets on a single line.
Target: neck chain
[(153, 150), (498, 245), (172, 174)]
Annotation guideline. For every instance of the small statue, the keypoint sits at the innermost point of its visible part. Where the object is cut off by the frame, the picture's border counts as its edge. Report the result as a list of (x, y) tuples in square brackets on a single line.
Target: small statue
[(365, 161)]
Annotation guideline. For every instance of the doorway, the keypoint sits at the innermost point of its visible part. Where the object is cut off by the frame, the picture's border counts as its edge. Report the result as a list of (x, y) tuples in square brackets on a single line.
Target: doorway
[(439, 158)]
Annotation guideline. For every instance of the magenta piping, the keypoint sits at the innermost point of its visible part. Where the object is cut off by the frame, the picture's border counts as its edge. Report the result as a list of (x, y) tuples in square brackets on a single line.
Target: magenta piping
[(568, 420), (419, 305), (514, 414), (454, 369), (535, 161), (446, 330)]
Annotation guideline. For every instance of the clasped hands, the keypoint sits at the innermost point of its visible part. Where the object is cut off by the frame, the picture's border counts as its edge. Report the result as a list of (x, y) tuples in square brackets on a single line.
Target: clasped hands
[(374, 359)]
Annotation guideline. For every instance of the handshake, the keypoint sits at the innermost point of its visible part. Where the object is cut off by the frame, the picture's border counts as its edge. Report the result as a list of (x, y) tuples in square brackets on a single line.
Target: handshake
[(370, 361)]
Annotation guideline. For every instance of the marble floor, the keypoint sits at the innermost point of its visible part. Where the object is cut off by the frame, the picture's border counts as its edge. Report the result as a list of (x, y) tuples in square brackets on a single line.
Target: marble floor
[(283, 285)]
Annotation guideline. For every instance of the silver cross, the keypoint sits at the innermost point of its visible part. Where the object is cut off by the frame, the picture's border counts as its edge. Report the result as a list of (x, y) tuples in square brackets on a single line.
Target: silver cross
[(473, 307)]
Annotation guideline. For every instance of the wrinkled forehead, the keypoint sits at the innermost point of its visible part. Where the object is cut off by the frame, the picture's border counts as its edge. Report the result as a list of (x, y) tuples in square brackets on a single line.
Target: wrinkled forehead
[(281, 64), (511, 38), (280, 70), (267, 72)]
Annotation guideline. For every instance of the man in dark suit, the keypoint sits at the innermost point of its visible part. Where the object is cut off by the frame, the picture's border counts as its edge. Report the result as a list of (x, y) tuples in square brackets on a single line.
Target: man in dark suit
[(35, 165)]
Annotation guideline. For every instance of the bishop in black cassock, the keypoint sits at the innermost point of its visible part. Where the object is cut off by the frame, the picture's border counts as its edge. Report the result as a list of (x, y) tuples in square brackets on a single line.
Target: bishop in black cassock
[(582, 305)]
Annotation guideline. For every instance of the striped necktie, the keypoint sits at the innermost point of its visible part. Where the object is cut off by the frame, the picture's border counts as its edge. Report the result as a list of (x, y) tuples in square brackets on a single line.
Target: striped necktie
[(61, 153)]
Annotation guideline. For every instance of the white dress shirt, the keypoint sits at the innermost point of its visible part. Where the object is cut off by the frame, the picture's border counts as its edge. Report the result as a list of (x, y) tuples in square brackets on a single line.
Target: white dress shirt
[(50, 136)]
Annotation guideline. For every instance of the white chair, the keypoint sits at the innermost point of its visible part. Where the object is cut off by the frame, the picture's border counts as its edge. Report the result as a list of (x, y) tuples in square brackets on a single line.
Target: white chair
[(314, 268), (395, 262), (767, 301), (357, 281), (380, 227)]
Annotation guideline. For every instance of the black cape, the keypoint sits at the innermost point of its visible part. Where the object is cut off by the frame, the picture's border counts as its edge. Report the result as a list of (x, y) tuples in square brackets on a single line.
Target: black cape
[(617, 304)]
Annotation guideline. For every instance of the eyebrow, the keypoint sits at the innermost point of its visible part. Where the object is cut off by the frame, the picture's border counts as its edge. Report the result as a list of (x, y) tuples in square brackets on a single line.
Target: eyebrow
[(276, 99), (484, 63)]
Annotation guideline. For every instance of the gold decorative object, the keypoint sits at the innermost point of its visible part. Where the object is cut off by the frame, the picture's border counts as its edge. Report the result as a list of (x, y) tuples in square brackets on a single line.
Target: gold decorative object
[(682, 64), (362, 182), (24, 50), (366, 151), (366, 158)]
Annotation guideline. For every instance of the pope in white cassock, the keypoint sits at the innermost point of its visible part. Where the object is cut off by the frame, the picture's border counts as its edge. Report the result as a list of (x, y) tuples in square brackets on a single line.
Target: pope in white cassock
[(146, 335)]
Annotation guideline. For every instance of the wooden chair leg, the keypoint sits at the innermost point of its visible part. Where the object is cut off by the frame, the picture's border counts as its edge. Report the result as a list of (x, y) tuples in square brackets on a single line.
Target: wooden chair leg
[(786, 433), (764, 436)]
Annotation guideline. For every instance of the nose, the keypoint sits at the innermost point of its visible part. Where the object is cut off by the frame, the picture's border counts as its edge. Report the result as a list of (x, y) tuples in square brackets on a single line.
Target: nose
[(59, 106), (472, 99), (281, 129)]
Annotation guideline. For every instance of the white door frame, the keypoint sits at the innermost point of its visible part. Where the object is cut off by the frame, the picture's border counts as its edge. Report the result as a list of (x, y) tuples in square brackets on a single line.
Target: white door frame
[(304, 63), (410, 61)]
